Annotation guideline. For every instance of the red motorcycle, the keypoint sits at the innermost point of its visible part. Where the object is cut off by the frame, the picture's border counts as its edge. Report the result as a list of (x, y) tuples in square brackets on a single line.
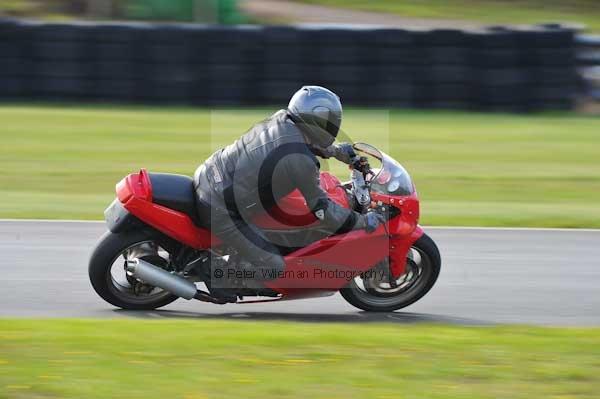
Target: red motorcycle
[(155, 252)]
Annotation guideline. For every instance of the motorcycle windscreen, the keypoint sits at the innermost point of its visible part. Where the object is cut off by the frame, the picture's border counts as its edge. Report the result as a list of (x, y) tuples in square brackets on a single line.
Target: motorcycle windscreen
[(391, 178)]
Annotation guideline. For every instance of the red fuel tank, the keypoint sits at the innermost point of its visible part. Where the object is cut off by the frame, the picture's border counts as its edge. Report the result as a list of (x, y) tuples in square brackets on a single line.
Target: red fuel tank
[(292, 210)]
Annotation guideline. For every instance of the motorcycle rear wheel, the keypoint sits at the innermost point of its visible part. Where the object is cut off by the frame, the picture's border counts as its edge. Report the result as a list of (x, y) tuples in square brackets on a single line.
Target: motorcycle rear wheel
[(120, 290), (377, 295)]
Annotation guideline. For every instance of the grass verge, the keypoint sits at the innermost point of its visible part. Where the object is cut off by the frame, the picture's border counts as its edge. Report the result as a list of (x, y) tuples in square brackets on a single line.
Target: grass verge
[(224, 359), (485, 11), (469, 168)]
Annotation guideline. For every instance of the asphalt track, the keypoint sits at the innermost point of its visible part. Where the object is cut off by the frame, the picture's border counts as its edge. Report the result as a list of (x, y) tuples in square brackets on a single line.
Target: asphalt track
[(546, 277)]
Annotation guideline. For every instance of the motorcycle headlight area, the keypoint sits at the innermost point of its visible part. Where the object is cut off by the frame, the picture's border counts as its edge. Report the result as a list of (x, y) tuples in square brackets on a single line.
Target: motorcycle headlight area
[(393, 186)]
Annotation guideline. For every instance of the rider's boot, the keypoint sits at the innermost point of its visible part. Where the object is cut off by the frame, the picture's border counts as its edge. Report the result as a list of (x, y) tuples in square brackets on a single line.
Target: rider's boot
[(236, 278), (221, 282)]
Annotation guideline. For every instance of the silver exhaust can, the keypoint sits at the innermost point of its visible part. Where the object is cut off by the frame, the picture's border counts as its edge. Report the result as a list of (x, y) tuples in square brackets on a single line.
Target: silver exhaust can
[(153, 275)]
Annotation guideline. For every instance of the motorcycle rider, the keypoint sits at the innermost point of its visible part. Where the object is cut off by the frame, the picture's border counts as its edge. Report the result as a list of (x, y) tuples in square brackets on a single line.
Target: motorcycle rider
[(273, 158)]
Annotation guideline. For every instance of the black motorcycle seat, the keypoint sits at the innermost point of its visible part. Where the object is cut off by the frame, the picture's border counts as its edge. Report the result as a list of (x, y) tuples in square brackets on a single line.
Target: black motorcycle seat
[(175, 192)]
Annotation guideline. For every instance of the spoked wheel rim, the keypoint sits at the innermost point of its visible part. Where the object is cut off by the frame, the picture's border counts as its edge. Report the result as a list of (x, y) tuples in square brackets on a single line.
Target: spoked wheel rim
[(127, 288), (375, 289)]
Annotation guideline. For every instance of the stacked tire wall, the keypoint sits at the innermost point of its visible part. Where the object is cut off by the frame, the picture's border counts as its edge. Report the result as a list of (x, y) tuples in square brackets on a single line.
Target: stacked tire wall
[(493, 69), (588, 64)]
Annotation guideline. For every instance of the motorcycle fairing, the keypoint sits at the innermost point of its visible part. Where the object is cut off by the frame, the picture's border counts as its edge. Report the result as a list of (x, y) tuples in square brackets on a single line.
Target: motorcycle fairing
[(404, 229), (293, 211), (325, 264), (135, 193)]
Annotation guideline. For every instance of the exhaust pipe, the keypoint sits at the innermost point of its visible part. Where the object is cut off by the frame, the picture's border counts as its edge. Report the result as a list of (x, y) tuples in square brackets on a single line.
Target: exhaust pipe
[(161, 278)]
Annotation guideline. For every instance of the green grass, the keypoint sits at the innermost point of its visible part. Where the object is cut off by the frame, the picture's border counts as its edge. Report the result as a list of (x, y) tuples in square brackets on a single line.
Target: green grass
[(222, 359), (50, 10), (469, 169), (485, 11)]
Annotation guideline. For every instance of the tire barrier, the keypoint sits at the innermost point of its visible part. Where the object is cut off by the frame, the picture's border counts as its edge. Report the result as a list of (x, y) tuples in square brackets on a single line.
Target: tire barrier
[(587, 59), (491, 69)]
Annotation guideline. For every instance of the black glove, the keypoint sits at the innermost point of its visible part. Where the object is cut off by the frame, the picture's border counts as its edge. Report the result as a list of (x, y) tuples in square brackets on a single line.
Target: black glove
[(344, 152), (372, 220)]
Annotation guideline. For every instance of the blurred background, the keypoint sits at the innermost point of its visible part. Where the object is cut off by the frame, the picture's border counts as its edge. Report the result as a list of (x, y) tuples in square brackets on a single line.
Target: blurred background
[(491, 105), (425, 54), (216, 11)]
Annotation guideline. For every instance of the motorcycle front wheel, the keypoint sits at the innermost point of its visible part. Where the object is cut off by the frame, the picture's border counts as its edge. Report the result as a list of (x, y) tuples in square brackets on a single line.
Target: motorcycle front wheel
[(373, 292), (108, 275)]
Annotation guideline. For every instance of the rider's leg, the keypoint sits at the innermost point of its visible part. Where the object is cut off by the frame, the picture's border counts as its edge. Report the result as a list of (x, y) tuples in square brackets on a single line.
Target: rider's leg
[(250, 244), (232, 229), (256, 261)]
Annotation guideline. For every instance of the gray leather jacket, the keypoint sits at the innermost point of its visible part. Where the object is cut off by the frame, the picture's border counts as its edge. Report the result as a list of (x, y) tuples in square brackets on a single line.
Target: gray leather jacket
[(265, 164)]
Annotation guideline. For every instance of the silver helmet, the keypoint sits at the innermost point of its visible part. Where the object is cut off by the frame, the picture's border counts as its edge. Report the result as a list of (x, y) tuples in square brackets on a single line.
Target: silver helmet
[(318, 113)]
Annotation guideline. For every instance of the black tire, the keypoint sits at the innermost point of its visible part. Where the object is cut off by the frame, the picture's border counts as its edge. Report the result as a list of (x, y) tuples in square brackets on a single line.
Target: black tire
[(108, 250), (369, 302)]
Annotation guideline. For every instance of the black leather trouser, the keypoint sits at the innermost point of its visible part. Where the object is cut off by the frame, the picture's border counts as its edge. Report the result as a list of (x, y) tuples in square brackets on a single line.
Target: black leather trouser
[(249, 242), (231, 228)]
